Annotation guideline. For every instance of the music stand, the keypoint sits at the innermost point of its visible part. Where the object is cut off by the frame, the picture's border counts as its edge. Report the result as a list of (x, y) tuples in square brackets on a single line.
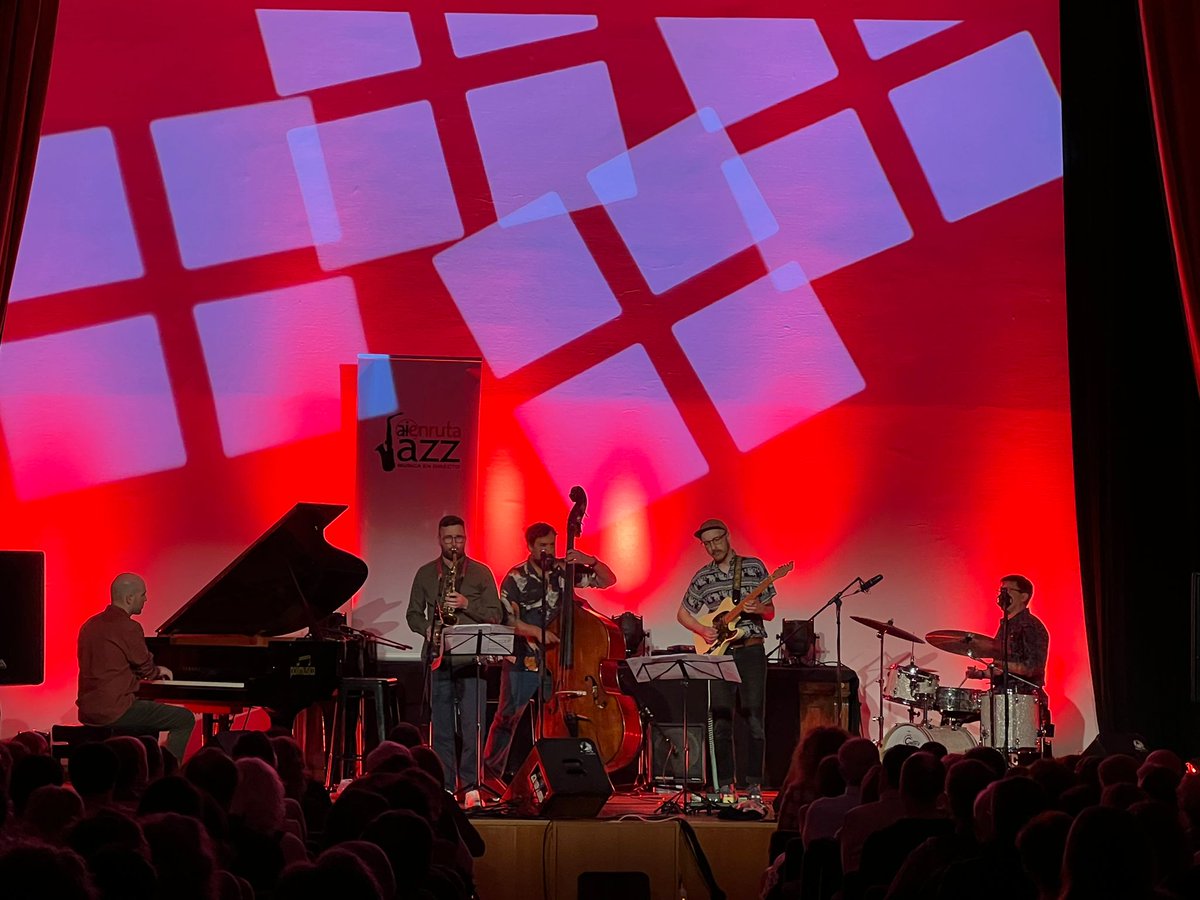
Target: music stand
[(478, 642), (683, 667)]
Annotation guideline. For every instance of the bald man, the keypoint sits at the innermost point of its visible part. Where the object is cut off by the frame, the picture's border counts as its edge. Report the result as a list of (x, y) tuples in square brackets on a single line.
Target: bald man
[(113, 659)]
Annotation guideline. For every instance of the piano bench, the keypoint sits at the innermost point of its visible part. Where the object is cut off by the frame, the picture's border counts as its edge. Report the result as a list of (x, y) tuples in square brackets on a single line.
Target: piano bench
[(65, 738)]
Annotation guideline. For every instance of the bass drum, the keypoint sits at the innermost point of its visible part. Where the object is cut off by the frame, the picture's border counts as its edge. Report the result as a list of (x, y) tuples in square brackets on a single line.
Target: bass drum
[(955, 740)]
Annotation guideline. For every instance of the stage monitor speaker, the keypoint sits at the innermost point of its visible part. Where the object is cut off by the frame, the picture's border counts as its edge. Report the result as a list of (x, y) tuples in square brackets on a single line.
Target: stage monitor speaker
[(1110, 742), (562, 778), (667, 753), (605, 885), (22, 616)]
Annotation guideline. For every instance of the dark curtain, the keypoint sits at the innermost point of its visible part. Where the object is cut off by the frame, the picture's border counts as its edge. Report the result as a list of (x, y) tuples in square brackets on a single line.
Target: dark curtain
[(1171, 36), (1134, 404), (26, 39)]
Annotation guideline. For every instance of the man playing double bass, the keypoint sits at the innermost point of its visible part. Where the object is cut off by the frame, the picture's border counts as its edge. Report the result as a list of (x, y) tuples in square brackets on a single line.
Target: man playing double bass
[(530, 595), (730, 575)]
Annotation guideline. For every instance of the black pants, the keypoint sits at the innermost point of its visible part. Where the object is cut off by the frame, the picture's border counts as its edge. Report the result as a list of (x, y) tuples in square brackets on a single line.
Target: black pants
[(749, 700)]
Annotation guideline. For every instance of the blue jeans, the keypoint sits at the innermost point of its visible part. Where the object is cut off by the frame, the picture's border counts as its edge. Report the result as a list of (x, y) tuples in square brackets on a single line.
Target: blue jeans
[(176, 721), (453, 687), (517, 688)]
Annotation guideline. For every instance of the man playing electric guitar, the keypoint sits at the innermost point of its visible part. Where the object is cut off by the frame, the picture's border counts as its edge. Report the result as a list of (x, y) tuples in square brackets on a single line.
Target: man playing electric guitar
[(730, 576)]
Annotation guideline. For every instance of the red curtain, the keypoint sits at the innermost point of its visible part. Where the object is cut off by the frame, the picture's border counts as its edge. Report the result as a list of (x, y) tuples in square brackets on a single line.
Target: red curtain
[(1171, 33), (26, 39)]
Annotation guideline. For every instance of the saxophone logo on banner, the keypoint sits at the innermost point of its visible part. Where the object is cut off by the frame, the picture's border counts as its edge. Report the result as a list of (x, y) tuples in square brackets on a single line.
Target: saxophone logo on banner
[(410, 443)]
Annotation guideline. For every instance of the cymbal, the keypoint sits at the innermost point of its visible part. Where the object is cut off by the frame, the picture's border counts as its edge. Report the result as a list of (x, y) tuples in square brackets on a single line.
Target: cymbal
[(888, 628), (964, 643)]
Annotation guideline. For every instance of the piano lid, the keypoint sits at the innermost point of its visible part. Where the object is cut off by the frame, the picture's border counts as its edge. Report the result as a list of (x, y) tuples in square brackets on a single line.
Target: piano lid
[(287, 580)]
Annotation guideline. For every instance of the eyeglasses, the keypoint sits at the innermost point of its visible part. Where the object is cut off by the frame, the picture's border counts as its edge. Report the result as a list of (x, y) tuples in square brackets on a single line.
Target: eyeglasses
[(714, 541)]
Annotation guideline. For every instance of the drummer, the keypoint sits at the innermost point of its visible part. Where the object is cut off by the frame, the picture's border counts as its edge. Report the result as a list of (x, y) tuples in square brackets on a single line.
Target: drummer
[(1028, 639)]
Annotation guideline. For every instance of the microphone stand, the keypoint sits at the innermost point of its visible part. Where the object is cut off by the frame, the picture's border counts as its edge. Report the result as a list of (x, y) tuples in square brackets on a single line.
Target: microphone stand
[(1008, 704), (836, 602), (541, 685)]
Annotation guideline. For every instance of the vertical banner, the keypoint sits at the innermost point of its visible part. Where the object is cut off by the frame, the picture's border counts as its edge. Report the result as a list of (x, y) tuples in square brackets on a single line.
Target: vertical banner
[(417, 453)]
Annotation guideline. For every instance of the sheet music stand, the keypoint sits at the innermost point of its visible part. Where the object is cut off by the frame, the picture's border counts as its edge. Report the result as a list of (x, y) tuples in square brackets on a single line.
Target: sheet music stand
[(478, 642), (684, 667)]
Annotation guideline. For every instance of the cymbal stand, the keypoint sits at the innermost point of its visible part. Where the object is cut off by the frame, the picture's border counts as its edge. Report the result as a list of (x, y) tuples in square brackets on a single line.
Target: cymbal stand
[(879, 681)]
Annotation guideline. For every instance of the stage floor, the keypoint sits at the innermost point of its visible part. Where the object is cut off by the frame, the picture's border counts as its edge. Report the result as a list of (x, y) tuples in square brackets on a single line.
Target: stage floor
[(529, 858)]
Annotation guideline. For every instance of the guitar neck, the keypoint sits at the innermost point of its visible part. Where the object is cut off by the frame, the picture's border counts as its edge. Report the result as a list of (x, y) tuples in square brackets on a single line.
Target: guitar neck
[(753, 595)]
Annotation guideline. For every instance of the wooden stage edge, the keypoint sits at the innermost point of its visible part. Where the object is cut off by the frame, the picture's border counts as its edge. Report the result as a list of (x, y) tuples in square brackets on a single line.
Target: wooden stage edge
[(544, 859)]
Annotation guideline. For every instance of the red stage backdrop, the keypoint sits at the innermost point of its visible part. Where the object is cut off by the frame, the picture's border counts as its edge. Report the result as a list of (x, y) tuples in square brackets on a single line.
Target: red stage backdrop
[(798, 265)]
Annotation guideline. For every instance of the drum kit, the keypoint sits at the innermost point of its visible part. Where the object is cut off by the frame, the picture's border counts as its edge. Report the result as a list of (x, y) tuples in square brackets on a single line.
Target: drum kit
[(1009, 721)]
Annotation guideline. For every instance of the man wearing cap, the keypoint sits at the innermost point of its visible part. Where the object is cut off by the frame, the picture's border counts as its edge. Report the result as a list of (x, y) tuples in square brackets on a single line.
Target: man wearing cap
[(732, 576)]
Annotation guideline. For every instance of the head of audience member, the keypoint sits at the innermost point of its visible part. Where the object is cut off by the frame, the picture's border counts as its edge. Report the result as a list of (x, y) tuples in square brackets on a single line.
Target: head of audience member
[(388, 757), (51, 811), (33, 741), (921, 781), (182, 854), (1121, 795), (964, 782), (289, 763), (92, 769), (1087, 770), (990, 757), (258, 798), (29, 774), (822, 741), (1168, 759), (1107, 855), (427, 761), (335, 873), (172, 794), (1158, 783), (254, 745), (407, 840), (377, 863), (122, 874), (154, 756), (1040, 845), (1188, 797), (872, 784), (1168, 841), (16, 750), (350, 813), (1075, 800), (1053, 776), (1117, 768), (214, 773), (893, 762), (983, 813), (32, 870), (435, 796), (1015, 802), (132, 769), (936, 748), (406, 734), (830, 780), (856, 757), (104, 829)]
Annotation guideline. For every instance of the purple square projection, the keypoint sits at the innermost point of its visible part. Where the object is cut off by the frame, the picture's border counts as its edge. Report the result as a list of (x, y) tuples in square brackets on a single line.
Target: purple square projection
[(742, 66), (650, 447), (542, 134), (86, 407), (314, 48), (695, 205), (800, 365), (474, 33), (375, 185), (526, 285), (273, 361), (985, 128), (78, 232), (230, 182), (830, 196)]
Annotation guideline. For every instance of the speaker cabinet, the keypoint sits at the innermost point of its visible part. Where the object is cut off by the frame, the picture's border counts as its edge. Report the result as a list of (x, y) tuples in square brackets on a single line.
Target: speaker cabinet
[(667, 753), (1110, 742), (562, 778), (22, 616)]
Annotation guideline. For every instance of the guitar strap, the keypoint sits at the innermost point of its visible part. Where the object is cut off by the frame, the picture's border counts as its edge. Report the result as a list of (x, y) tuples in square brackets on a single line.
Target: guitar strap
[(737, 579)]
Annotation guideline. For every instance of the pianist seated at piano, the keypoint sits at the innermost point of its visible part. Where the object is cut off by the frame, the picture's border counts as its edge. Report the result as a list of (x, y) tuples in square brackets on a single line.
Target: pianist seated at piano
[(114, 660)]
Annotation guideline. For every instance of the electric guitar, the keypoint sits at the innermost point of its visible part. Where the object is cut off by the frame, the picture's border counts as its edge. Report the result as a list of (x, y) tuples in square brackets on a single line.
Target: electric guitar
[(725, 617)]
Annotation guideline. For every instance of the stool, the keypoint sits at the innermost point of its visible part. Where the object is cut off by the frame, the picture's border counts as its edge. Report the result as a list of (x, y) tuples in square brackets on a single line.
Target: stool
[(65, 738), (349, 744)]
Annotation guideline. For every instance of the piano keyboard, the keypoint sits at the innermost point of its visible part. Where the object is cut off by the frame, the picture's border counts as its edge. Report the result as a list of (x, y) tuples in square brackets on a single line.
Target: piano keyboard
[(196, 684)]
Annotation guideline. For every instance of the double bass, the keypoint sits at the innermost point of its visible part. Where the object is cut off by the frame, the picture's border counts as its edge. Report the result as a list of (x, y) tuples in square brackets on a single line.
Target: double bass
[(586, 700)]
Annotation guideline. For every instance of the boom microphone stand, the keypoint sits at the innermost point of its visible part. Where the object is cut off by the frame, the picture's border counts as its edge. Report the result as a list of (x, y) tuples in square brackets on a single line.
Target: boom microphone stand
[(836, 602)]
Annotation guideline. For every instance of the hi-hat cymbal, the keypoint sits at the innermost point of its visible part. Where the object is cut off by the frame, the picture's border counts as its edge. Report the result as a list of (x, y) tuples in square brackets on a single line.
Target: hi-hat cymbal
[(964, 643), (888, 628)]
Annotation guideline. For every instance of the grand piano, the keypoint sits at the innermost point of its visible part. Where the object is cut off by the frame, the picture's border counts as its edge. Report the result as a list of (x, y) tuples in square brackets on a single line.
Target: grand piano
[(224, 646)]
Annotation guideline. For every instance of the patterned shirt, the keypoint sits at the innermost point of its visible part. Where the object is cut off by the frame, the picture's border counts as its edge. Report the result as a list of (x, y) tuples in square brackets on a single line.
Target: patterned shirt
[(710, 586), (1028, 646), (523, 587)]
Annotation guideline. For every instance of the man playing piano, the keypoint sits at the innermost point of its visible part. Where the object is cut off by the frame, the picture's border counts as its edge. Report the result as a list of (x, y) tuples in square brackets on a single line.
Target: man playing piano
[(453, 586), (113, 659)]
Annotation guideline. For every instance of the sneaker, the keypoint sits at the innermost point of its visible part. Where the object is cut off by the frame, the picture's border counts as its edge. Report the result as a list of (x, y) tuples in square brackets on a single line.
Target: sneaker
[(471, 799)]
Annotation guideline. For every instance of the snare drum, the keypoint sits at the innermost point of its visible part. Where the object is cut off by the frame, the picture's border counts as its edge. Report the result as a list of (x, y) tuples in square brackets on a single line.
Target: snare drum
[(955, 740), (911, 685), (959, 704), (1023, 712)]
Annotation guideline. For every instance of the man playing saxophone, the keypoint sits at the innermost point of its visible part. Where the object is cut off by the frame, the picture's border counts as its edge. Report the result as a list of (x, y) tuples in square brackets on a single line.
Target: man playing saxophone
[(453, 588)]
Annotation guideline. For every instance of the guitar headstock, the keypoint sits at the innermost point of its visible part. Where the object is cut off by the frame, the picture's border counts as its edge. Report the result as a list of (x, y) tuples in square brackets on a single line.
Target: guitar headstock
[(783, 570)]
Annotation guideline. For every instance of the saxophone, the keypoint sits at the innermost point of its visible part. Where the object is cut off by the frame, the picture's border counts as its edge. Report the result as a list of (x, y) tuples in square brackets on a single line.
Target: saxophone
[(444, 613)]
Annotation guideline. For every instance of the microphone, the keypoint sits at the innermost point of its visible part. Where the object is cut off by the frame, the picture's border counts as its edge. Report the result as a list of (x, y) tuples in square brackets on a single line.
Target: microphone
[(869, 583), (1004, 599)]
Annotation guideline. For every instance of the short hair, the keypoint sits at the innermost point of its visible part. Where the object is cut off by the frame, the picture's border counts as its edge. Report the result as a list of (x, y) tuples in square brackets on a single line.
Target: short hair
[(447, 521), (537, 531), (1024, 585)]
